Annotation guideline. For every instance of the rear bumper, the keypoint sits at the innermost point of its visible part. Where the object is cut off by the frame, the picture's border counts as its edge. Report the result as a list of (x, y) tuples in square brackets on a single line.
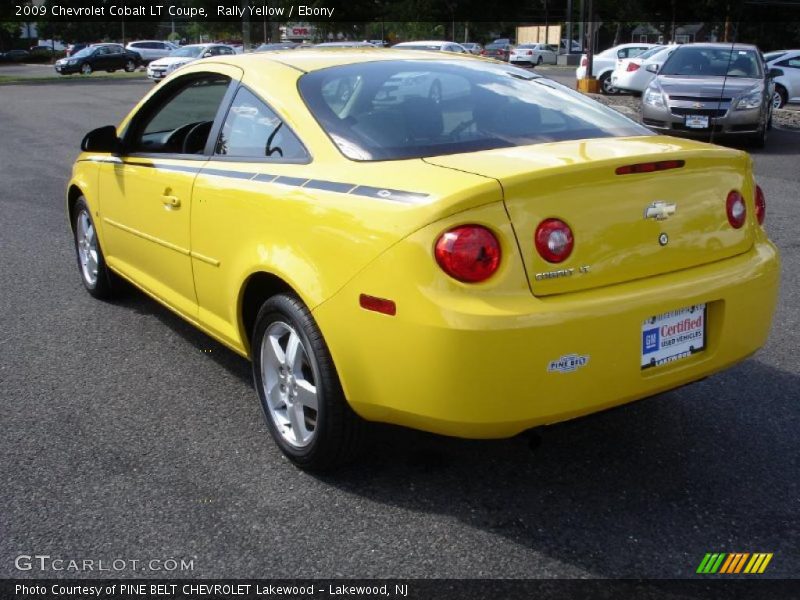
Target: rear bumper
[(469, 367)]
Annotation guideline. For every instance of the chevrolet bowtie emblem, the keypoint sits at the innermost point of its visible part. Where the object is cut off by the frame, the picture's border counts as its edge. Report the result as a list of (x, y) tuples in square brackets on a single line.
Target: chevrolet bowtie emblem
[(660, 211)]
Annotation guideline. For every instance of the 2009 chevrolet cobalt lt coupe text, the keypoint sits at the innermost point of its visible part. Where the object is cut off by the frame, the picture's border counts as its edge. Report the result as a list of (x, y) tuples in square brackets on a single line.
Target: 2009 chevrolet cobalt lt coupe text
[(446, 243)]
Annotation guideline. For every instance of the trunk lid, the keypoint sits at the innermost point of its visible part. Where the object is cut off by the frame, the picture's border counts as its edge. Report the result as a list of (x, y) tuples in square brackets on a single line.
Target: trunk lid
[(576, 181)]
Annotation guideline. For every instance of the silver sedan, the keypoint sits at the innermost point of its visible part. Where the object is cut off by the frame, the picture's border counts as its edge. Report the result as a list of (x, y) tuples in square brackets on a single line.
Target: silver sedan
[(711, 89)]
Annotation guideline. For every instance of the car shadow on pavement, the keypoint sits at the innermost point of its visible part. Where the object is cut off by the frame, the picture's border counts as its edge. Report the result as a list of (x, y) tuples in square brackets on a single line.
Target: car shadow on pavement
[(704, 468)]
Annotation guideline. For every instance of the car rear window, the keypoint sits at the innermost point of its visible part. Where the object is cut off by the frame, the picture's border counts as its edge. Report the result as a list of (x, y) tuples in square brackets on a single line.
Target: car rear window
[(386, 110)]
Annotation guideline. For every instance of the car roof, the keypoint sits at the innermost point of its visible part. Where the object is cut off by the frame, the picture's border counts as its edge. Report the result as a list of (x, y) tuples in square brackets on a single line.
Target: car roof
[(313, 60), (721, 46)]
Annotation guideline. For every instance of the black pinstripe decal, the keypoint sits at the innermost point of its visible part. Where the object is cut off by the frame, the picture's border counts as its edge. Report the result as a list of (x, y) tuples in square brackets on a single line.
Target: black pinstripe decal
[(317, 184)]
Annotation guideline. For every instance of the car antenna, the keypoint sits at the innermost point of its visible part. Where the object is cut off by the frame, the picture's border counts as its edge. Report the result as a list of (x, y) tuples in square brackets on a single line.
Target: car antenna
[(725, 81)]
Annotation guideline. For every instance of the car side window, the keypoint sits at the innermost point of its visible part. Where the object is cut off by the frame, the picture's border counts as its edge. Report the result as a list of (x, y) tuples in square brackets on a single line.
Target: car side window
[(179, 121), (253, 130), (790, 62)]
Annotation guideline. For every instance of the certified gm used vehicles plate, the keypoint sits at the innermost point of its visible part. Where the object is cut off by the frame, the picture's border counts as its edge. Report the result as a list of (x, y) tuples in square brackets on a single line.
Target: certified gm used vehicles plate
[(476, 254)]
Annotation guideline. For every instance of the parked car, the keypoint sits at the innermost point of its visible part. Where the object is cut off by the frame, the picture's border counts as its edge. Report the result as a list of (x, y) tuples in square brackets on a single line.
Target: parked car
[(41, 50), (603, 63), (403, 273), (378, 43), (533, 54), (14, 56), (151, 50), (276, 46), (99, 57), (575, 47), (633, 75), (719, 89), (436, 45), (472, 47), (787, 86), (497, 51), (159, 69)]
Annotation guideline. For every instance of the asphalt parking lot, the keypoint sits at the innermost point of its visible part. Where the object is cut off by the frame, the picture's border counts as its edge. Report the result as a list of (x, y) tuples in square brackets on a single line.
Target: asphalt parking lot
[(129, 434)]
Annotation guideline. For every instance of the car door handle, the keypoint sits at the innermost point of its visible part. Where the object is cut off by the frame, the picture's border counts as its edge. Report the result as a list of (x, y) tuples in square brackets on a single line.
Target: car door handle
[(171, 201)]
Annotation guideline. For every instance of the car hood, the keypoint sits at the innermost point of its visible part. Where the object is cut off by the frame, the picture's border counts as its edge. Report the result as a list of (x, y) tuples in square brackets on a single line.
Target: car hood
[(171, 60), (705, 86)]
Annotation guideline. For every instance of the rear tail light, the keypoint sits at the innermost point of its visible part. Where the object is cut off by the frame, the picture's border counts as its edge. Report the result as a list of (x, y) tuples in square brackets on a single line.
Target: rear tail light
[(529, 53), (483, 52), (761, 205), (469, 253), (632, 66), (736, 209), (584, 61), (554, 240)]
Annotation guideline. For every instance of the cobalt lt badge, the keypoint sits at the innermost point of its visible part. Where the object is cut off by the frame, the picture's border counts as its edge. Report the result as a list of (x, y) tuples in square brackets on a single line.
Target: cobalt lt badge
[(663, 239)]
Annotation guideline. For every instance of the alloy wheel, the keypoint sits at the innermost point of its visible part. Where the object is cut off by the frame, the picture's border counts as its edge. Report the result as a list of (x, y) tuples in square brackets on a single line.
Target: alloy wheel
[(86, 240), (289, 381)]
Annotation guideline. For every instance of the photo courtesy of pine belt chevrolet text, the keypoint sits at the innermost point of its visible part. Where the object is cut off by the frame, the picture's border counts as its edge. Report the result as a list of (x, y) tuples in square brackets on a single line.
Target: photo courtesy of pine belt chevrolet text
[(433, 240)]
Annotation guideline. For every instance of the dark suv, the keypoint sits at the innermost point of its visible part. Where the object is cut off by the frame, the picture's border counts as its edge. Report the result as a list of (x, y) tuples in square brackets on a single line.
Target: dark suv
[(99, 57)]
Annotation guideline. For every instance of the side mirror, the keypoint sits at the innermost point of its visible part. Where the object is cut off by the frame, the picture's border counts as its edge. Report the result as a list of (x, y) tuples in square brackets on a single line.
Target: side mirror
[(651, 68), (207, 54), (102, 139), (773, 73)]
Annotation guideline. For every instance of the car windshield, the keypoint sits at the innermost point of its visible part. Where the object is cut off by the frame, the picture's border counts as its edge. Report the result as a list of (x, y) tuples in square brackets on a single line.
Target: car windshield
[(495, 46), (387, 110), (525, 46), (689, 61), (189, 51), (88, 51)]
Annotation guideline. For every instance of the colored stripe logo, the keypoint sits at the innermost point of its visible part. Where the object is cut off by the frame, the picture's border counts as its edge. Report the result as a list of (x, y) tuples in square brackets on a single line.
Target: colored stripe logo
[(734, 563)]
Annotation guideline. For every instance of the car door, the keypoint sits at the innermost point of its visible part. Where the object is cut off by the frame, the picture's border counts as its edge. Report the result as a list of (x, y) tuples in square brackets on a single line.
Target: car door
[(145, 193), (247, 191), (116, 57), (99, 58)]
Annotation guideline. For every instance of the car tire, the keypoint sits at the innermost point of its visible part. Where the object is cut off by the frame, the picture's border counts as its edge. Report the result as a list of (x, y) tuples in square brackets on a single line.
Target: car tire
[(303, 402), (605, 85), (86, 69), (98, 280), (130, 66), (780, 97)]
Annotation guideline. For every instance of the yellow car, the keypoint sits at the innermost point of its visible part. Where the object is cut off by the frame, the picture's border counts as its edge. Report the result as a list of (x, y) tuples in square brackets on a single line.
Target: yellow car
[(444, 243)]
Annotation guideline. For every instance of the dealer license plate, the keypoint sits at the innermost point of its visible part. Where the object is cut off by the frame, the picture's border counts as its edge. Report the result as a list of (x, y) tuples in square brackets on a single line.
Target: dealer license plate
[(673, 336), (697, 122)]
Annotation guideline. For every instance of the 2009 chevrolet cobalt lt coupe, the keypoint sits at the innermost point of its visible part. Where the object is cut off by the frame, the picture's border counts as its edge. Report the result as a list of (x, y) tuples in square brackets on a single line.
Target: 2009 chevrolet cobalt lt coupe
[(445, 243)]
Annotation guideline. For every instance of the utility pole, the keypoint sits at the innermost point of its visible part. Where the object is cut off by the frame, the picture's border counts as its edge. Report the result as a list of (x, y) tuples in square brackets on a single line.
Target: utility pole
[(589, 84), (245, 25), (568, 45)]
